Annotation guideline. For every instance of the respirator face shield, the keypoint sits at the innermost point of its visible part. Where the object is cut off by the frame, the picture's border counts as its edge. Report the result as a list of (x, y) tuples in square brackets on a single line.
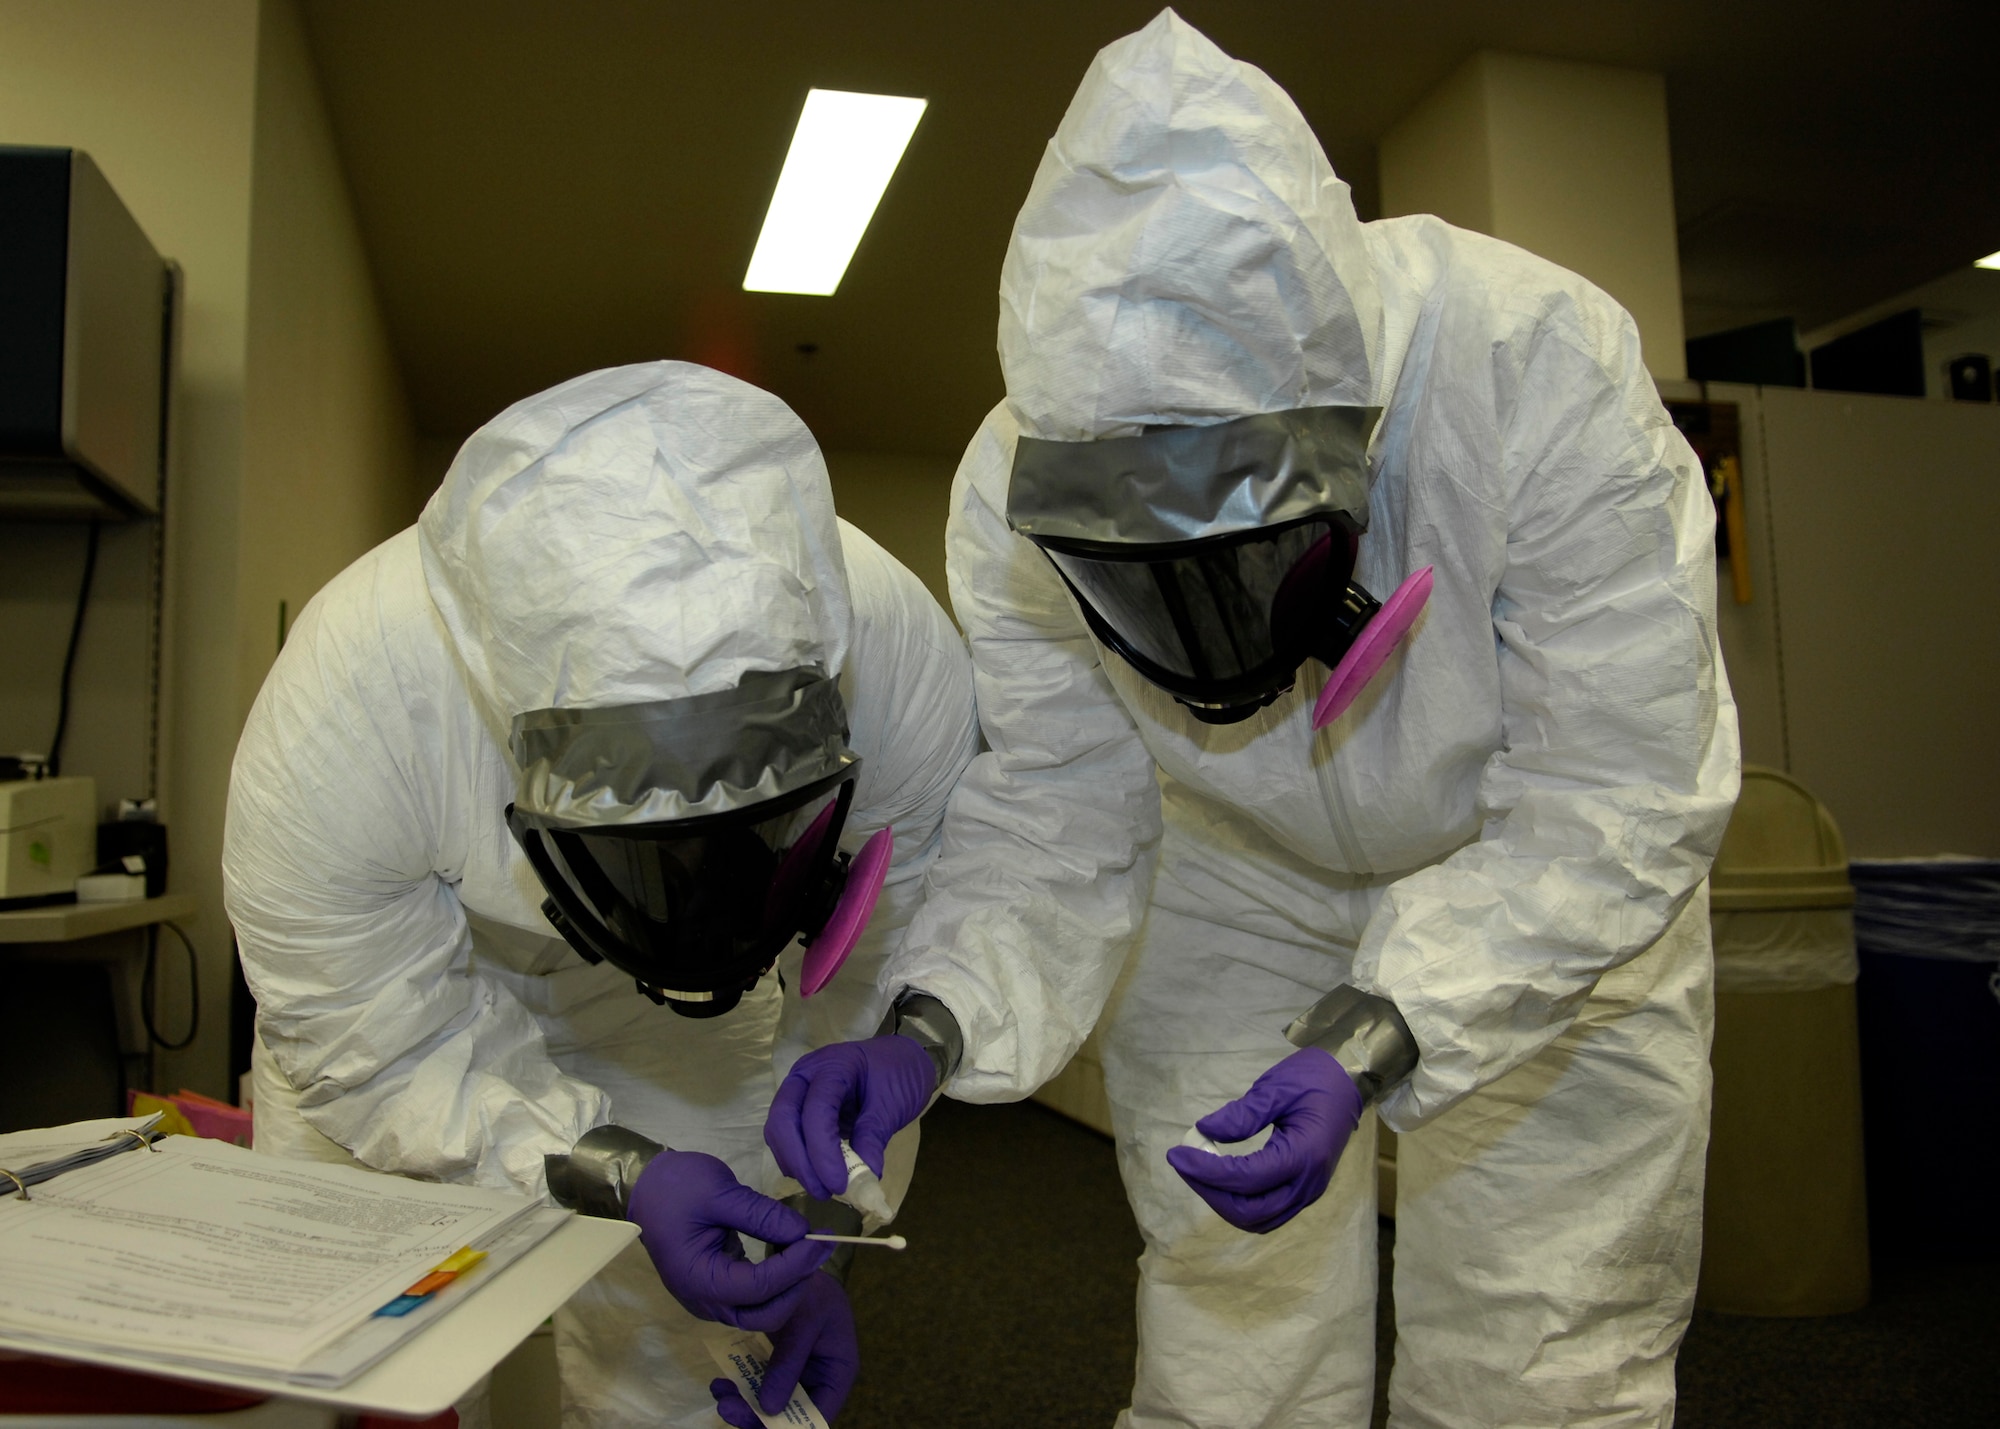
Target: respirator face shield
[(1216, 560), (696, 910), (689, 843), (1222, 624)]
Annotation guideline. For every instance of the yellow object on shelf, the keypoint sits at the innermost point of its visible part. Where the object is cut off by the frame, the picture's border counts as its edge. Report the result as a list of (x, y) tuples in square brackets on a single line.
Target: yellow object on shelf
[(171, 1122)]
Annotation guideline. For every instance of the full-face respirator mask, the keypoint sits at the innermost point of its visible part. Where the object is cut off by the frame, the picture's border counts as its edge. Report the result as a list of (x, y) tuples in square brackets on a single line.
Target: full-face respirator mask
[(689, 842), (1216, 560)]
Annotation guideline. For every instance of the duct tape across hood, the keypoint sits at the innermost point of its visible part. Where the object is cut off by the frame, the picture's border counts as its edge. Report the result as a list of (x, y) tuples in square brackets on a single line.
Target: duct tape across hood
[(775, 733), (1186, 483)]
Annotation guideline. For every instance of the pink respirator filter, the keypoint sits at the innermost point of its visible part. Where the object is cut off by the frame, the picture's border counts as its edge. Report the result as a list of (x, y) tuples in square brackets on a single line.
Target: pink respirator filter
[(843, 930), (1374, 645)]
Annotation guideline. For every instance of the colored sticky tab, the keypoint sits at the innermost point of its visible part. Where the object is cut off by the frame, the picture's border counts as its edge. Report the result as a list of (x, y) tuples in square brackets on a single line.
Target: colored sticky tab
[(459, 1261), (439, 1276)]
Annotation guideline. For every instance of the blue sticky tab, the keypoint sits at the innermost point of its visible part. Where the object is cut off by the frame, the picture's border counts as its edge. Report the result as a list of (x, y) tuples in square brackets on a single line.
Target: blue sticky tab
[(402, 1305)]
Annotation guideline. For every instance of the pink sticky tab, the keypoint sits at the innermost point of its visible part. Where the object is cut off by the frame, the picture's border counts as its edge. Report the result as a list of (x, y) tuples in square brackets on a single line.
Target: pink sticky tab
[(1371, 648), (857, 903)]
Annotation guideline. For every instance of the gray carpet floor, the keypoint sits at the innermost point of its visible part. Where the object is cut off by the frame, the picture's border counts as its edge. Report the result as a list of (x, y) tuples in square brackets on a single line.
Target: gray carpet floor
[(1013, 1304), (1012, 1309)]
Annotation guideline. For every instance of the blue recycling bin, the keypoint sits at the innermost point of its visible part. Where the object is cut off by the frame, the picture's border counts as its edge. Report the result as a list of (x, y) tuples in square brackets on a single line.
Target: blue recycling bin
[(1928, 935)]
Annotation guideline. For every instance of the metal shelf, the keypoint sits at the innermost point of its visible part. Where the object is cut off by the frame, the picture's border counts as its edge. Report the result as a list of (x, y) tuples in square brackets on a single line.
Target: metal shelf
[(67, 922)]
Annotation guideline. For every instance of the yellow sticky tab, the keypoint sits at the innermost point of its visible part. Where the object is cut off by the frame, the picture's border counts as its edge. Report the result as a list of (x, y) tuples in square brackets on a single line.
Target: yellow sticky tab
[(459, 1261)]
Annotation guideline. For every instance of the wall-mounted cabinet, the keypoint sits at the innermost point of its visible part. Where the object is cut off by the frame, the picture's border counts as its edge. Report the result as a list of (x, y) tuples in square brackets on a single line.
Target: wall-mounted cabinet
[(85, 337)]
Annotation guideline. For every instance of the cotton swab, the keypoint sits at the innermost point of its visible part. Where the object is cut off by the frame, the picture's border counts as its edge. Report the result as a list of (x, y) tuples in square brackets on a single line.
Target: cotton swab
[(887, 1242)]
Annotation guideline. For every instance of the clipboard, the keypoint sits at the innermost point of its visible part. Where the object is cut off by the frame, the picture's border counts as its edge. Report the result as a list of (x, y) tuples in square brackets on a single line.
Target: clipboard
[(428, 1373), (541, 1257)]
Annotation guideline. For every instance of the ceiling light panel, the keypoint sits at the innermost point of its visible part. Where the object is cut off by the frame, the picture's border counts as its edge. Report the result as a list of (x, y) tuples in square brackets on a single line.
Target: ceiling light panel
[(846, 147)]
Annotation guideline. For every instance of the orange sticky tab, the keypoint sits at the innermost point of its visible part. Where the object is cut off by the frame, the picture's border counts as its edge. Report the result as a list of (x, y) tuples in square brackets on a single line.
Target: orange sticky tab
[(447, 1270)]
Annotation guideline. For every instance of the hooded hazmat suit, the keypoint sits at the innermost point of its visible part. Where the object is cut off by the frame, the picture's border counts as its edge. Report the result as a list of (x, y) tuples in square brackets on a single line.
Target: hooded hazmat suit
[(1506, 835), (635, 535)]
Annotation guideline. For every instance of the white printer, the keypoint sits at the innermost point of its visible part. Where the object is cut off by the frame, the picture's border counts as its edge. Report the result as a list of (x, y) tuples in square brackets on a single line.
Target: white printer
[(48, 838)]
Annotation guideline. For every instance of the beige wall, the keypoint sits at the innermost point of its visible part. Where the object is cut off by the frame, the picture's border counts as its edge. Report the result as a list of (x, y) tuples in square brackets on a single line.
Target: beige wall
[(901, 501), (328, 452), (1888, 612), (291, 452), (161, 93), (1862, 664), (432, 460), (1569, 161), (1438, 158), (41, 568), (1749, 632)]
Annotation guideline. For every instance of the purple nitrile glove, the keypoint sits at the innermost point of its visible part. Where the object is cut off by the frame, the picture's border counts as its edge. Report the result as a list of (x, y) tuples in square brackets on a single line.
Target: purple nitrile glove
[(816, 1348), (1312, 1106), (859, 1092), (689, 1208)]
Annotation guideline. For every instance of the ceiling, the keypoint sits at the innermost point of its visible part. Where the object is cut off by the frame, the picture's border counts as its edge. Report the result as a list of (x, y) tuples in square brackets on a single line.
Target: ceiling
[(549, 186)]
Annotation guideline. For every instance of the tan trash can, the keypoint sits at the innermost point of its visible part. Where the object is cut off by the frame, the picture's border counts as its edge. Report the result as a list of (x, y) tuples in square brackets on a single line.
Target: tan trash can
[(1786, 1227)]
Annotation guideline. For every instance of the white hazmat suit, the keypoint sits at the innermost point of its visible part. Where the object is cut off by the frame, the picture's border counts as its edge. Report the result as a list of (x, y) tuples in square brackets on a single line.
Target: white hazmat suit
[(1506, 836), (634, 535)]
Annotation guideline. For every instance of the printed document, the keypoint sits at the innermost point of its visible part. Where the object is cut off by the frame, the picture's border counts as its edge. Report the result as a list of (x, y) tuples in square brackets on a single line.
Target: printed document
[(32, 1157), (203, 1253)]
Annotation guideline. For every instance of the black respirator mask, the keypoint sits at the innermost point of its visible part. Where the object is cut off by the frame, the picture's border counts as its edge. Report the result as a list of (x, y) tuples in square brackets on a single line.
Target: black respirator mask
[(689, 842), (1217, 560)]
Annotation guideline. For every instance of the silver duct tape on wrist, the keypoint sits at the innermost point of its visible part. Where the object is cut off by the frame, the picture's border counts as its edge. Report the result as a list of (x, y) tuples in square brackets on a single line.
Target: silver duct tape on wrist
[(1364, 1033), (598, 1175), (928, 1023)]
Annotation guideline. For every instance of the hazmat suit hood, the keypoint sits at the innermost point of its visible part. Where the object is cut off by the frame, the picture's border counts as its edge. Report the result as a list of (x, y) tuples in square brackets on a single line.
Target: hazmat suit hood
[(1185, 256), (636, 535)]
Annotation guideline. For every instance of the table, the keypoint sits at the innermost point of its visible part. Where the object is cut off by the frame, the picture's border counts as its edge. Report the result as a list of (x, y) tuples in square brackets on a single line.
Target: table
[(53, 1069)]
